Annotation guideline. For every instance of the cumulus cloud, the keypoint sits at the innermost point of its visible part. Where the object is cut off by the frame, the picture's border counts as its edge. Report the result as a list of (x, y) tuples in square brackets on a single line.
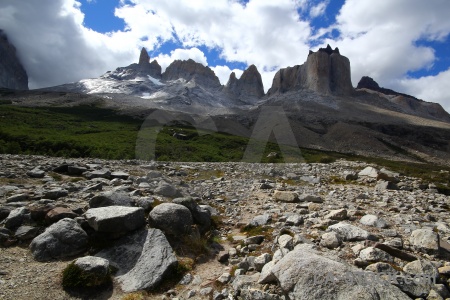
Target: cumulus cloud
[(381, 38)]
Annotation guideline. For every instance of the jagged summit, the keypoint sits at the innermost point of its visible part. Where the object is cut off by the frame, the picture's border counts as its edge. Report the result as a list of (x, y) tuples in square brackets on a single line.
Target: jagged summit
[(249, 85), (191, 70), (326, 72), (144, 58)]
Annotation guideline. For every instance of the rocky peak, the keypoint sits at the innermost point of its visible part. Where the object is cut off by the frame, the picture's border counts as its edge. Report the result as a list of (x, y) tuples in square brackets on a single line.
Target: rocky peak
[(191, 70), (144, 58), (12, 73), (248, 85), (325, 72)]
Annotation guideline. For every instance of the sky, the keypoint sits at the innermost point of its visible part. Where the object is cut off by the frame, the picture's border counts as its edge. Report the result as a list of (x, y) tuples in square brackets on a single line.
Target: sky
[(402, 44)]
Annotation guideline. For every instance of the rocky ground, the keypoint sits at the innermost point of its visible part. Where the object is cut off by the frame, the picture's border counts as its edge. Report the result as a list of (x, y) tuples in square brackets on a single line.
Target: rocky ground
[(219, 231)]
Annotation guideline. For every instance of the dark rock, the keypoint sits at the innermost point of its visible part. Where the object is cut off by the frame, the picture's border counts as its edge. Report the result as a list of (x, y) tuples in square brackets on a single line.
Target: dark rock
[(115, 219), (200, 216), (144, 58), (12, 73), (248, 85), (62, 239), (76, 170), (25, 233), (39, 211), (17, 217), (4, 213), (110, 198), (55, 194)]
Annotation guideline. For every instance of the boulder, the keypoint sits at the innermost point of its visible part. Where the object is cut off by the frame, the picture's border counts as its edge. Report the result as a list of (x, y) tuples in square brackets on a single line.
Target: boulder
[(142, 259), (166, 190), (260, 220), (63, 239), (55, 194), (17, 217), (369, 172), (200, 216), (285, 196), (115, 219), (330, 240), (349, 232), (304, 274), (425, 240), (174, 219), (372, 220), (338, 214), (94, 270), (59, 213), (110, 198)]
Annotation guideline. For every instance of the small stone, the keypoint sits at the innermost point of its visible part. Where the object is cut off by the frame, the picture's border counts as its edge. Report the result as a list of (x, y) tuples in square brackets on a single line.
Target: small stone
[(330, 240), (338, 214)]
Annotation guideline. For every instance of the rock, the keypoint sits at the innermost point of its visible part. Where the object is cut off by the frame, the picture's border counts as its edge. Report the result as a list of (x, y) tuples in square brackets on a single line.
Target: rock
[(248, 85), (110, 198), (59, 213), (39, 211), (173, 219), (62, 239), (444, 270), (166, 190), (143, 259), (433, 295), (422, 267), (373, 255), (242, 282), (285, 196), (186, 279), (294, 220), (36, 173), (349, 232), (425, 240), (255, 294), (256, 239), (191, 70), (338, 214), (224, 278), (25, 233), (266, 275), (310, 198), (369, 172), (120, 175), (260, 220), (330, 240), (381, 267), (115, 219), (104, 173), (304, 274), (200, 216), (95, 269), (223, 256), (12, 73), (372, 220), (17, 198), (385, 185), (286, 241), (4, 213), (55, 194), (17, 217), (261, 261), (76, 170), (206, 291), (144, 58)]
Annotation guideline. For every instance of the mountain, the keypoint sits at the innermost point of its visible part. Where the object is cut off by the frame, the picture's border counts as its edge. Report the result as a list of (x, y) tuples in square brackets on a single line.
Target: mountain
[(12, 73), (323, 109)]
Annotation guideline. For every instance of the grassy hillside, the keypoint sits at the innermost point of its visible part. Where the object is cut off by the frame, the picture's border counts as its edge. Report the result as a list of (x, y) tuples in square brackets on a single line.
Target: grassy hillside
[(89, 131)]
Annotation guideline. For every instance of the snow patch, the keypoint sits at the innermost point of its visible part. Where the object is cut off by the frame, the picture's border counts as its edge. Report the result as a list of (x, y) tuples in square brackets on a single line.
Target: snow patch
[(159, 94), (155, 81)]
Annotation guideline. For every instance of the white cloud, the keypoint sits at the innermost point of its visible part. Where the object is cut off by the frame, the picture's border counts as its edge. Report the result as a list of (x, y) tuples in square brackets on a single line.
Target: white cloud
[(318, 9), (379, 37), (430, 88), (223, 73)]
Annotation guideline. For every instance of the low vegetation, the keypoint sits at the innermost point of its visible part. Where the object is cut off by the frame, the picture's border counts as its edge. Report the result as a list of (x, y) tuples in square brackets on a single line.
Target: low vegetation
[(90, 131)]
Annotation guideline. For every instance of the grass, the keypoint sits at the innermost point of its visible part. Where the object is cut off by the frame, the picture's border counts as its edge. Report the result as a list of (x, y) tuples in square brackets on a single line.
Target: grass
[(75, 277), (91, 131), (265, 231)]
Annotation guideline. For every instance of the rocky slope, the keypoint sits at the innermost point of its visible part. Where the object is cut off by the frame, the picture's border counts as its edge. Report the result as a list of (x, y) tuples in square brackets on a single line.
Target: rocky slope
[(287, 231), (12, 73)]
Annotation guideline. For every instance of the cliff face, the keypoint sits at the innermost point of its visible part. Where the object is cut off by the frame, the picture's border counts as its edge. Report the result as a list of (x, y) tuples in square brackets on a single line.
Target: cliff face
[(325, 72), (188, 70), (12, 73), (249, 85)]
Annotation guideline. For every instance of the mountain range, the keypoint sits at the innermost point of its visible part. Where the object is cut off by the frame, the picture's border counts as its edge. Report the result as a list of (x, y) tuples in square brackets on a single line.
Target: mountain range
[(323, 108)]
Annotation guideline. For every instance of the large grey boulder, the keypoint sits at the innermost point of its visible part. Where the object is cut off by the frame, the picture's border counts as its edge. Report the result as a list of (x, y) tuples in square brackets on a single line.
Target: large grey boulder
[(167, 190), (304, 274), (425, 240), (349, 232), (17, 217), (115, 219), (373, 220), (63, 239), (95, 268), (174, 219), (200, 216), (143, 259), (110, 198), (285, 196)]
